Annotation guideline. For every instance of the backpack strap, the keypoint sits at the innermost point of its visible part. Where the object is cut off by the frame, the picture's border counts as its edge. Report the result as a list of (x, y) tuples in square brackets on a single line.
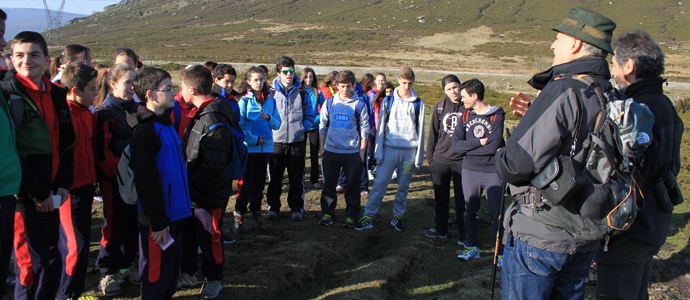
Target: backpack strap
[(329, 103), (177, 111), (358, 112), (492, 119), (465, 119), (580, 113), (417, 105)]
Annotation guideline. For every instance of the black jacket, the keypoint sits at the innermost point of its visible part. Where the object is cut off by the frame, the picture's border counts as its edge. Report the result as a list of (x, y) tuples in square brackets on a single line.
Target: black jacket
[(35, 155), (663, 154), (444, 118), (210, 184), (543, 133)]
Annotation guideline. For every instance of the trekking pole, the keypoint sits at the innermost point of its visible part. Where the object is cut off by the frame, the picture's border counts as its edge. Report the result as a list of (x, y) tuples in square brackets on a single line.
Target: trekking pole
[(498, 240), (498, 233)]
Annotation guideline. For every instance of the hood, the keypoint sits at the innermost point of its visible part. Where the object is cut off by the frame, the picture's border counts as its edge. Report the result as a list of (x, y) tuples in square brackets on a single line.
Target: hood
[(589, 65), (412, 98), (296, 84), (493, 110), (126, 105), (222, 107), (76, 107), (138, 114)]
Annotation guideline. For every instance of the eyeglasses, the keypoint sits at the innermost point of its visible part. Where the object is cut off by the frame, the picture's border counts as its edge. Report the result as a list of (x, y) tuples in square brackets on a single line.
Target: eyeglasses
[(171, 90), (286, 72)]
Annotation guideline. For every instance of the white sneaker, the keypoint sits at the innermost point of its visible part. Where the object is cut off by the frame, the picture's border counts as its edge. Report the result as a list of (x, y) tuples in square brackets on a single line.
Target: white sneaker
[(371, 175), (187, 281), (395, 175), (211, 289), (469, 252), (110, 285)]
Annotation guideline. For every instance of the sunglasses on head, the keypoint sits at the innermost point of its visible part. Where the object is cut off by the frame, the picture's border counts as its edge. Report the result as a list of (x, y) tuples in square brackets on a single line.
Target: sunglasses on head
[(290, 71)]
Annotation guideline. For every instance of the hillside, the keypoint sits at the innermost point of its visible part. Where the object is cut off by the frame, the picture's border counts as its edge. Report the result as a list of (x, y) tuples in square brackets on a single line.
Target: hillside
[(32, 19), (366, 27)]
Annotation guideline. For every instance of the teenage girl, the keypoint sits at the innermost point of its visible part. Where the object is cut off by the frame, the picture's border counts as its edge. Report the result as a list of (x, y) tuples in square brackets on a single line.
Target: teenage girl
[(72, 53), (127, 56), (327, 85), (312, 135), (119, 244)]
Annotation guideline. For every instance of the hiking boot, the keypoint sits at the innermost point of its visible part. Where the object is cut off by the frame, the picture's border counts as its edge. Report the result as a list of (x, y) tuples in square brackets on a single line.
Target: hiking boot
[(365, 222), (239, 228), (499, 261), (326, 220), (186, 281), (397, 222), (211, 289), (432, 233), (256, 223), (227, 239), (316, 185), (469, 252), (271, 215), (349, 223), (297, 216), (340, 189), (365, 194), (130, 275), (110, 286)]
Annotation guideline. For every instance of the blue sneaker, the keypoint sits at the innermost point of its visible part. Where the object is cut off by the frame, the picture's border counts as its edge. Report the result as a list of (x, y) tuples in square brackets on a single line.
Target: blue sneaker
[(397, 222), (433, 233), (365, 222), (499, 261), (326, 220), (469, 252), (349, 223)]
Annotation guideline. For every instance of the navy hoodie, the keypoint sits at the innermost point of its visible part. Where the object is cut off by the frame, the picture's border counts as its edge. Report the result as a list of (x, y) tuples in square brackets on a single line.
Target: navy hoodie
[(475, 127)]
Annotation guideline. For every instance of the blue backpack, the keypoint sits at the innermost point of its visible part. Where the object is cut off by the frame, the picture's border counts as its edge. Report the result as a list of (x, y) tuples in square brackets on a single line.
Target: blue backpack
[(239, 153), (389, 102)]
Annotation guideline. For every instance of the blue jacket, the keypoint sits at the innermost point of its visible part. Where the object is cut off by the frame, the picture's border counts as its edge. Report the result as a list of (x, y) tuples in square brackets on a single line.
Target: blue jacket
[(317, 101), (296, 114), (158, 164), (254, 127)]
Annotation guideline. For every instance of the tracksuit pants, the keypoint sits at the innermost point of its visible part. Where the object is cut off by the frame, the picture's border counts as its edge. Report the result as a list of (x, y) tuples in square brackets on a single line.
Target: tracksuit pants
[(315, 170), (36, 254), (351, 164), (473, 183), (189, 248), (159, 269), (393, 158), (290, 156), (7, 206), (441, 175), (253, 181), (208, 230), (363, 177), (119, 242), (75, 234)]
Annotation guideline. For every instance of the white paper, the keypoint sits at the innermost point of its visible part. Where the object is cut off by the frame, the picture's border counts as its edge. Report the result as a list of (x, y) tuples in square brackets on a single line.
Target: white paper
[(169, 239), (57, 201)]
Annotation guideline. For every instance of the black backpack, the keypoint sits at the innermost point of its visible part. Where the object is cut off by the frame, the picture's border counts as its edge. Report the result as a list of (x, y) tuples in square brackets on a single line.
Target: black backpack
[(603, 200)]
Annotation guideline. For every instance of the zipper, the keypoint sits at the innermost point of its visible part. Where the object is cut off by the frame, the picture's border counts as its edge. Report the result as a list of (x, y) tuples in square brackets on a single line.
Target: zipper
[(87, 150)]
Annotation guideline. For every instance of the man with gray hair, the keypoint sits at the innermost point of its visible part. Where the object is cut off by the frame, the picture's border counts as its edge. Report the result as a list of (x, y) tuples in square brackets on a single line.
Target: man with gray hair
[(623, 270), (541, 260)]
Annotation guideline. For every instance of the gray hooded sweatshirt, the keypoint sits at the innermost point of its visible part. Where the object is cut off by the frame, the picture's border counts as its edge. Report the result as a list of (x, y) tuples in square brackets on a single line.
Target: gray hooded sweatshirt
[(401, 131), (339, 124)]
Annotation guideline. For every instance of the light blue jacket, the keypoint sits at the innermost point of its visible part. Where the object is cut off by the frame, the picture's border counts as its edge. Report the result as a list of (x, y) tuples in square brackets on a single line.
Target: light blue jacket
[(317, 101), (254, 127)]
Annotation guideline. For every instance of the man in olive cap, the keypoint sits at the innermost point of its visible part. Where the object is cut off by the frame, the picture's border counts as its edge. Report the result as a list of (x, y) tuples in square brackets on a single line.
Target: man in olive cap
[(543, 261)]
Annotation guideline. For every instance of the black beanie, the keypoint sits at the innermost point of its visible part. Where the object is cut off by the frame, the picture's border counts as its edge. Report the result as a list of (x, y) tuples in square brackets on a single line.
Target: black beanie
[(449, 78)]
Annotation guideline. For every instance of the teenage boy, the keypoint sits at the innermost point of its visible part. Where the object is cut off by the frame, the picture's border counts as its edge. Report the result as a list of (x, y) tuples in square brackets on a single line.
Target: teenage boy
[(79, 80), (11, 175), (45, 137), (344, 135), (399, 145), (478, 139), (297, 114), (224, 76), (444, 163), (160, 178), (207, 145)]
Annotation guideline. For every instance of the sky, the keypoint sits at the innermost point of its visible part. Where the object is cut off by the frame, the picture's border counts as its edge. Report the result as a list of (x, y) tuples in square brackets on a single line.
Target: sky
[(85, 7)]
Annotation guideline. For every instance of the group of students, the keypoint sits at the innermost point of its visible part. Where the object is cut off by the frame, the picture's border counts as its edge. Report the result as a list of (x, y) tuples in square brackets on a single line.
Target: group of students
[(66, 134)]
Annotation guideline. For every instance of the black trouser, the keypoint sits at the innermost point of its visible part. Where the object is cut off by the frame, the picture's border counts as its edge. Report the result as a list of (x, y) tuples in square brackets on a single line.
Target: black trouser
[(290, 156), (160, 269), (352, 166), (313, 138), (370, 153), (253, 182), (7, 205), (623, 271), (363, 179), (441, 174), (75, 238)]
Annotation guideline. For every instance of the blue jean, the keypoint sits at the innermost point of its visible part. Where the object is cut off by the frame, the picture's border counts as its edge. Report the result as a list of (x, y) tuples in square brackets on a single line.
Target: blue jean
[(403, 160), (532, 273)]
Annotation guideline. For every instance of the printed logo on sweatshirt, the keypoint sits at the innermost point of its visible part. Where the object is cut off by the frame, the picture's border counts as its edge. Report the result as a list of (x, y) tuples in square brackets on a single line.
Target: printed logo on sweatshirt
[(481, 127), (341, 118), (450, 121), (479, 132)]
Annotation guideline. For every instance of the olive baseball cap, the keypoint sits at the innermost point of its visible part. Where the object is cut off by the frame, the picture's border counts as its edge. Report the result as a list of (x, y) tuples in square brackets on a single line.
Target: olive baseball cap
[(589, 26)]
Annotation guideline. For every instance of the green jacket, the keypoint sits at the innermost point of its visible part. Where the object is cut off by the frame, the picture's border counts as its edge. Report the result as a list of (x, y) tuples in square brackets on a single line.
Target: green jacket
[(34, 147), (10, 169)]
